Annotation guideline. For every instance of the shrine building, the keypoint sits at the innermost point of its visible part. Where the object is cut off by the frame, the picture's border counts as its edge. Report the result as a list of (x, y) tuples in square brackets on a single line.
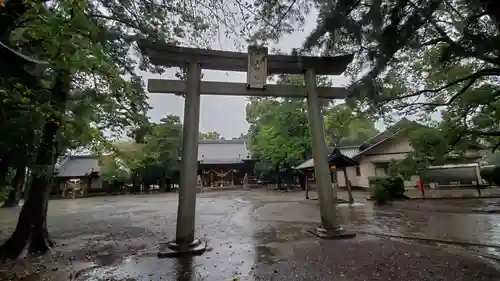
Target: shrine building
[(224, 162)]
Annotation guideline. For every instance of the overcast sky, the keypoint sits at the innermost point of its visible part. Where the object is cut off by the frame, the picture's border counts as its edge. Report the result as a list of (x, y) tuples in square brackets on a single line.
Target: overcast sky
[(224, 114)]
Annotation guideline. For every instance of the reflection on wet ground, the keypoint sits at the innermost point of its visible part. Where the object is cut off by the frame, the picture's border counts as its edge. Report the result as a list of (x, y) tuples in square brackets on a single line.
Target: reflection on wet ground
[(475, 228), (483, 205), (454, 219), (252, 238)]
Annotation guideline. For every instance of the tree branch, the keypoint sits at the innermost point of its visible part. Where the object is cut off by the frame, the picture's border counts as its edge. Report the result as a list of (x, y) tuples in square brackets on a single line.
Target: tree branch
[(432, 42), (460, 49), (331, 23), (126, 23), (472, 77), (454, 97), (484, 134), (496, 147), (394, 37)]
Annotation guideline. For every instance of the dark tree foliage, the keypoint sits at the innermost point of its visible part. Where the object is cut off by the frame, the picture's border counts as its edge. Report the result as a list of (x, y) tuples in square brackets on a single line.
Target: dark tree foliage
[(87, 86), (404, 50)]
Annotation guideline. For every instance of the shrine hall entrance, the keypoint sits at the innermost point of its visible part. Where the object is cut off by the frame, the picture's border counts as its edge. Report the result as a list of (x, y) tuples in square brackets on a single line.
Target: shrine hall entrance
[(224, 162)]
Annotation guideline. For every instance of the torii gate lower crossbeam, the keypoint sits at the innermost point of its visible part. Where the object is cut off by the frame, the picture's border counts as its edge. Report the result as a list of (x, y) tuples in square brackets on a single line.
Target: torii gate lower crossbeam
[(193, 60)]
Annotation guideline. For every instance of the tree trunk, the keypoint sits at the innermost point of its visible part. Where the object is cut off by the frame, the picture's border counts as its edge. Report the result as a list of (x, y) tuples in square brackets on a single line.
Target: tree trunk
[(302, 181), (31, 231), (134, 180), (162, 183), (168, 184), (17, 186), (306, 183), (4, 169), (28, 184), (136, 187), (88, 186), (278, 176), (31, 235), (147, 186)]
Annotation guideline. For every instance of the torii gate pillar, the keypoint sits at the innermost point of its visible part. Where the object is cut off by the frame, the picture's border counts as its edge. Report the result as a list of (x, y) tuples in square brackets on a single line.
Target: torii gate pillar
[(258, 65), (320, 154), (189, 161)]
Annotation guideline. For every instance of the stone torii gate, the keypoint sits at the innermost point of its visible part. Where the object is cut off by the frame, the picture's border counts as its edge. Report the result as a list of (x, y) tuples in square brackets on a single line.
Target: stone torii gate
[(258, 65)]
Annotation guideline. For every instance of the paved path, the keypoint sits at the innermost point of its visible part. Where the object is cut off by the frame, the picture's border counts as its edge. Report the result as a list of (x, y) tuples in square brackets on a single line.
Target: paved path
[(254, 236)]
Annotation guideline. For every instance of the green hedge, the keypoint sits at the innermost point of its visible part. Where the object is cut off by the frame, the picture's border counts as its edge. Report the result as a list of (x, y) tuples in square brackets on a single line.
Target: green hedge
[(113, 186), (491, 175), (379, 194), (4, 192), (384, 189)]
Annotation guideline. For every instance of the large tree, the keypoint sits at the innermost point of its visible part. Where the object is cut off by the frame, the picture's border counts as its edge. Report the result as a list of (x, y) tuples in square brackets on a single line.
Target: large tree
[(80, 72), (213, 135), (113, 173), (18, 115), (131, 153), (90, 46), (405, 52), (345, 126), (154, 159), (163, 149), (279, 133)]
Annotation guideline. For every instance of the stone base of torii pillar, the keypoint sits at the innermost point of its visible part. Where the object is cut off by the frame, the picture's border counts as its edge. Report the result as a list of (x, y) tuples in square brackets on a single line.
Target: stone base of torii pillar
[(173, 249), (332, 234)]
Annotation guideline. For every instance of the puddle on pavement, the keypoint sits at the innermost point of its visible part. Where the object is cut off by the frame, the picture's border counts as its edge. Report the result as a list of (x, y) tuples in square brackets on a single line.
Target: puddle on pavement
[(153, 268), (355, 204), (229, 259), (493, 251), (283, 233), (226, 261), (85, 271), (266, 254)]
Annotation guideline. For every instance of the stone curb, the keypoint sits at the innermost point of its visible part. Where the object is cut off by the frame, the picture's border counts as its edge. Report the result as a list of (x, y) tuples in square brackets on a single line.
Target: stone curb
[(450, 210), (453, 198), (443, 241), (445, 198), (435, 240)]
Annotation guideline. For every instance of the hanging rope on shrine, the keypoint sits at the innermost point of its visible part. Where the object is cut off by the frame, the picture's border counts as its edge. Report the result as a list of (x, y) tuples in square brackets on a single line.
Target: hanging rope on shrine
[(222, 174)]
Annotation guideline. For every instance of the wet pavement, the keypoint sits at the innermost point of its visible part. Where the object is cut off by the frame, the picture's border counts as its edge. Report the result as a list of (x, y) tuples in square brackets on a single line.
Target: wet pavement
[(479, 205), (255, 235), (454, 193)]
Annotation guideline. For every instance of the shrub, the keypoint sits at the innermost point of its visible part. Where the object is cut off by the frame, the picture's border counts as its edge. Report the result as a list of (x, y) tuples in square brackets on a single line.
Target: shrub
[(393, 187), (491, 174), (4, 192), (379, 194), (113, 186)]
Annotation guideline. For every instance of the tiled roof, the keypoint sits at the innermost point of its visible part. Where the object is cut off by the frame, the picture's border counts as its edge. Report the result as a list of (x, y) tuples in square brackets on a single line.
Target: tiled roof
[(356, 151), (222, 151), (348, 151), (78, 166), (306, 164), (388, 133)]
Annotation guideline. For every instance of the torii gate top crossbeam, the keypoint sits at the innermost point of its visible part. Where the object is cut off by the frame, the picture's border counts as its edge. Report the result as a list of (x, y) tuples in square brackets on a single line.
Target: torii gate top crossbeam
[(163, 54)]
